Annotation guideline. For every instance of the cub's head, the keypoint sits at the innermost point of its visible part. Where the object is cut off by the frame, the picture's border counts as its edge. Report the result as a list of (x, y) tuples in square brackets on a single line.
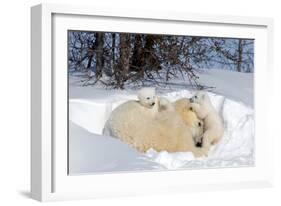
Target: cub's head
[(147, 97), (199, 97)]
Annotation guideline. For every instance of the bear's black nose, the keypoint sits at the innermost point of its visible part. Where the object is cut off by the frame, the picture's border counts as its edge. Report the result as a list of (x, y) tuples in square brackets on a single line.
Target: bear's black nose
[(198, 144), (153, 104)]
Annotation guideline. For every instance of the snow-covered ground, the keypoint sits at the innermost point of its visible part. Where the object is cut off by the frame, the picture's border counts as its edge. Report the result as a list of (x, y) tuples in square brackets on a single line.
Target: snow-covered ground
[(89, 108), (233, 85)]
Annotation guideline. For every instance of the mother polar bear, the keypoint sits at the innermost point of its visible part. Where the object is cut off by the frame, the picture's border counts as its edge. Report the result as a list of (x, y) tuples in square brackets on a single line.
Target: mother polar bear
[(135, 125)]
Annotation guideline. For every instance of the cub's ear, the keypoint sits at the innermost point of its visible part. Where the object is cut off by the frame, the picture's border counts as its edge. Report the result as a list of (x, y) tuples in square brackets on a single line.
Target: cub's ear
[(203, 96), (139, 94)]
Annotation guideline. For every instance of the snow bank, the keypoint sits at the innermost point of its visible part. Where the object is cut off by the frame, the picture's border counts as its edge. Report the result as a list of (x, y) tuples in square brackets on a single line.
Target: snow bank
[(235, 149), (237, 86), (95, 153)]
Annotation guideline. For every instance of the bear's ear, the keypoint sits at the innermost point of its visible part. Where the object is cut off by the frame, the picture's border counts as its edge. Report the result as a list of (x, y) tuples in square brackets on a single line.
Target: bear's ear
[(139, 94)]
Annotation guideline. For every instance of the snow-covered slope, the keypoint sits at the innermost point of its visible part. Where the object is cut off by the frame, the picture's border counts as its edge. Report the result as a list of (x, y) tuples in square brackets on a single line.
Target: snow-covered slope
[(91, 153), (89, 108), (234, 85)]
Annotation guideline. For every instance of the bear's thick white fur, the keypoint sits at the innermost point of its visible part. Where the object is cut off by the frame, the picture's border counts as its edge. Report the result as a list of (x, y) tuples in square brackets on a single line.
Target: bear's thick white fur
[(213, 125), (135, 125), (182, 107)]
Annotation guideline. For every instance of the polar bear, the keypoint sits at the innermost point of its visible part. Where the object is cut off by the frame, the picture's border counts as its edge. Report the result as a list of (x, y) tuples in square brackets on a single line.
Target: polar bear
[(133, 124), (182, 107), (213, 125), (147, 98)]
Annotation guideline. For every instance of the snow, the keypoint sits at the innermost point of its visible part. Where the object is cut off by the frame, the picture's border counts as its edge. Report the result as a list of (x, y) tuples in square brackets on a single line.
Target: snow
[(234, 85), (91, 152)]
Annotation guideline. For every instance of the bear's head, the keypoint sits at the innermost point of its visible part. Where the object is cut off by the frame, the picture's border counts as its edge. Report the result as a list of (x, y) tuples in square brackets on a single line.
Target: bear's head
[(199, 97), (182, 107), (147, 97), (197, 133), (190, 118)]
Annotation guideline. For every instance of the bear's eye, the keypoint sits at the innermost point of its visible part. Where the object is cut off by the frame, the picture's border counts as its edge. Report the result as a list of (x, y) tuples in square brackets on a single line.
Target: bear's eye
[(148, 98), (199, 124)]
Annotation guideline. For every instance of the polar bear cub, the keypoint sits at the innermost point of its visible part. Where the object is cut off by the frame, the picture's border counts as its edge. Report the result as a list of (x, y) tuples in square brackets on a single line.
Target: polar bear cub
[(147, 98), (213, 125)]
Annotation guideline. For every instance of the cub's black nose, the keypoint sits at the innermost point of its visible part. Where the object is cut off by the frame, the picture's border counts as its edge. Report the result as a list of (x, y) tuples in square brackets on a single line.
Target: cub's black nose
[(153, 104), (198, 144)]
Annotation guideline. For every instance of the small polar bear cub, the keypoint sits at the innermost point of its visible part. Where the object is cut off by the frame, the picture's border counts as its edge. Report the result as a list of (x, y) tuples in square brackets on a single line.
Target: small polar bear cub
[(147, 98), (213, 125)]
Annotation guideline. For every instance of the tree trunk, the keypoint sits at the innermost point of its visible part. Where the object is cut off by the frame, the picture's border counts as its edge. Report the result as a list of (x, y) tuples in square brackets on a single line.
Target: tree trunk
[(124, 62), (137, 58), (113, 49), (99, 53), (90, 61), (240, 52), (151, 60), (125, 53)]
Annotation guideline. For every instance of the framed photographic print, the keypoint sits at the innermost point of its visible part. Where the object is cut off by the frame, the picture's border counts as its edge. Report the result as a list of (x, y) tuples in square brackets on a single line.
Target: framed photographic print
[(138, 102)]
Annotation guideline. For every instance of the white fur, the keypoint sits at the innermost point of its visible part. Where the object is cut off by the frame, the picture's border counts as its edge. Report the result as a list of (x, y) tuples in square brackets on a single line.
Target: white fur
[(135, 125), (182, 107), (213, 125)]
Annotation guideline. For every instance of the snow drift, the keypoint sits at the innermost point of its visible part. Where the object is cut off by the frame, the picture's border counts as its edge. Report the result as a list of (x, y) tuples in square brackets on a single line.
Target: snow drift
[(92, 152)]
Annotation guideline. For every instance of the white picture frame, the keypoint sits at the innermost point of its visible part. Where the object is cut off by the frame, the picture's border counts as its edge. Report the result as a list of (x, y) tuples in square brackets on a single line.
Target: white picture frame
[(49, 179)]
